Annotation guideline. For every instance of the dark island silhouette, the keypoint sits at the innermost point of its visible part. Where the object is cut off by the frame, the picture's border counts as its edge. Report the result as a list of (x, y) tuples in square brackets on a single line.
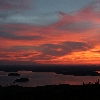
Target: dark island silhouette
[(22, 80), (13, 74), (79, 73)]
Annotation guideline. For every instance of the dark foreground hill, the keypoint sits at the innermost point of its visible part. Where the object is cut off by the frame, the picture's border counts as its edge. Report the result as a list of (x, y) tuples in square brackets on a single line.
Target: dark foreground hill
[(51, 92)]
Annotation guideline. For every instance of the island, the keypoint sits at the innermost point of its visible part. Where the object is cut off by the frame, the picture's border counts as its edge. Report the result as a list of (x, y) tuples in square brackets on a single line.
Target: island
[(13, 74), (22, 80)]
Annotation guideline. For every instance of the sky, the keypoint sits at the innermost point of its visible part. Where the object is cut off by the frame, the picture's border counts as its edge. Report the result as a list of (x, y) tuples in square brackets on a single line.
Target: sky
[(50, 31)]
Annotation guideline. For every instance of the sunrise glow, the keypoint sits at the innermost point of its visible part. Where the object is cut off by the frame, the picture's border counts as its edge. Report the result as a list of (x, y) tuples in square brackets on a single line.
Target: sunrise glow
[(28, 34)]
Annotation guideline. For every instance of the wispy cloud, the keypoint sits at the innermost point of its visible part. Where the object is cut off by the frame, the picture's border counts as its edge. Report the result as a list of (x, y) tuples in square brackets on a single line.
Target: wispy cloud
[(73, 36), (14, 4)]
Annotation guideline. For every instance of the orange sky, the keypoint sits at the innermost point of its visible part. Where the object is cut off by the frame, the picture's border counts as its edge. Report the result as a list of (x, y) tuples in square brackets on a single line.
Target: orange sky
[(73, 39)]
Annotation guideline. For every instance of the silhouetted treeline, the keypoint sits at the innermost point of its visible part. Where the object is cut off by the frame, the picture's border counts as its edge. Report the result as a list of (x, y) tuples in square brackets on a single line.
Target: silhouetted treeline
[(48, 68), (53, 92), (77, 70)]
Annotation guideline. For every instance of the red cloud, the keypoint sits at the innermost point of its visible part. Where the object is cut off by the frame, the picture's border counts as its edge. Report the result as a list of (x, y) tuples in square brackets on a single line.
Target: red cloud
[(80, 28)]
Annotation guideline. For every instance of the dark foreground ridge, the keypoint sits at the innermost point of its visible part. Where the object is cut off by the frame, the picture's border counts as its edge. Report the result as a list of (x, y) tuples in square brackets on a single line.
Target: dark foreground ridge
[(51, 92)]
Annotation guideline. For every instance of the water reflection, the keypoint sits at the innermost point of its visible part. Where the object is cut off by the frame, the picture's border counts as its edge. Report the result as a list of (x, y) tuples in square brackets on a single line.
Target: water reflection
[(44, 78), (98, 72)]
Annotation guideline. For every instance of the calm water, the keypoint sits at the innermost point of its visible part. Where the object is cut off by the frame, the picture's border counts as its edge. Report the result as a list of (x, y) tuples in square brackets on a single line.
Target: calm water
[(44, 78)]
